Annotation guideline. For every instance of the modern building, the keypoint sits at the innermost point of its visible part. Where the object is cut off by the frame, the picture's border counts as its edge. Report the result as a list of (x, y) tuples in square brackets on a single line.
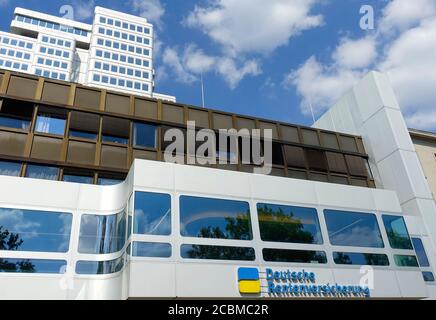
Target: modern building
[(115, 52), (425, 146)]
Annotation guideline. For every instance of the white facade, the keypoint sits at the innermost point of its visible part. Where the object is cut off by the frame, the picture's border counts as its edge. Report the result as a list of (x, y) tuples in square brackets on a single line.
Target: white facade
[(114, 53)]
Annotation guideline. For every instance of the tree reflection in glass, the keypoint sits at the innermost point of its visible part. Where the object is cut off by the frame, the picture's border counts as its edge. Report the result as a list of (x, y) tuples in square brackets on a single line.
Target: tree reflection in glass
[(12, 242), (370, 259), (189, 251)]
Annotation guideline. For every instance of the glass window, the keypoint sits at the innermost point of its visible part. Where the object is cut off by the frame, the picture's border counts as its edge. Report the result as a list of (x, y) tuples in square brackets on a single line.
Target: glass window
[(78, 179), (38, 231), (215, 218), (397, 232), (353, 229), (289, 224), (108, 181), (114, 139), (32, 266), (294, 256), (10, 168), (42, 172), (369, 259), (428, 276), (100, 267), (152, 214), (102, 234), (144, 135), (193, 251), (151, 250), (50, 124), (420, 252), (405, 261)]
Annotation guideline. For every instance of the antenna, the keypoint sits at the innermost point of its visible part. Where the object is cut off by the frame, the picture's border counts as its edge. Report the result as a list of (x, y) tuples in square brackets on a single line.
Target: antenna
[(311, 110), (202, 90)]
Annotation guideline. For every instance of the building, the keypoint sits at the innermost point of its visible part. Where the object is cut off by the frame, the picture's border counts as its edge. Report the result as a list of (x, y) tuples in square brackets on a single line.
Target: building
[(425, 145), (115, 52), (89, 209)]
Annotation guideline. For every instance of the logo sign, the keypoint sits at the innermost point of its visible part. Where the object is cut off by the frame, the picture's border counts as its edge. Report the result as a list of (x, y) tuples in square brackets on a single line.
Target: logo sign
[(248, 281)]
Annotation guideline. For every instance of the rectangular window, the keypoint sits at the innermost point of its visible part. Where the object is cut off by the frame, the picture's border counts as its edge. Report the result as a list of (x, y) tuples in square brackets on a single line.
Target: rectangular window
[(397, 232), (78, 179), (151, 250), (428, 276), (42, 172), (152, 214), (353, 229), (16, 115), (32, 266), (361, 259), (294, 256), (108, 182), (37, 231), (102, 234), (405, 261), (215, 218), (100, 267), (12, 169), (193, 251), (420, 252), (279, 223), (144, 135), (46, 123)]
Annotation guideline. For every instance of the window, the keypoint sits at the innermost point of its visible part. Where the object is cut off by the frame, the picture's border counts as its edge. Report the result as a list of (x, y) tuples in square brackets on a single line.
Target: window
[(32, 266), (405, 261), (294, 256), (428, 276), (353, 229), (144, 135), (46, 123), (192, 251), (37, 231), (116, 130), (108, 181), (420, 252), (78, 179), (100, 267), (102, 234), (369, 259), (397, 232), (17, 115), (215, 218), (42, 172), (84, 125), (152, 214), (151, 250), (289, 224), (10, 168)]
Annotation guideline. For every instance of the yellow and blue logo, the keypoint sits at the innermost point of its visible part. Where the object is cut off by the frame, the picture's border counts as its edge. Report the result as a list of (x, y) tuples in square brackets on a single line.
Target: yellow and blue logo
[(248, 280)]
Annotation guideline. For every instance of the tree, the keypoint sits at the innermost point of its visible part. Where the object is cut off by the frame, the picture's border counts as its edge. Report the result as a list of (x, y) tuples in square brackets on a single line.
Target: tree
[(12, 242)]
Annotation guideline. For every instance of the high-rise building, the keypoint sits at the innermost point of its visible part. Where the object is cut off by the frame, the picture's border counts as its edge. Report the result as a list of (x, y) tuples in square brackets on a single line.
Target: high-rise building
[(115, 52)]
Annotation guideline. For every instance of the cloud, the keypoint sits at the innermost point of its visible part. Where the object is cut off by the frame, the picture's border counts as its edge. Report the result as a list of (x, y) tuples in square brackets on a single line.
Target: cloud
[(253, 26), (83, 9), (188, 64), (407, 57), (152, 10)]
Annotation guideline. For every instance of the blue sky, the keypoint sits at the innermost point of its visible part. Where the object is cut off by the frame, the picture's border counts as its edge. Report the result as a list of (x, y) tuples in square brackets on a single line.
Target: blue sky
[(272, 59)]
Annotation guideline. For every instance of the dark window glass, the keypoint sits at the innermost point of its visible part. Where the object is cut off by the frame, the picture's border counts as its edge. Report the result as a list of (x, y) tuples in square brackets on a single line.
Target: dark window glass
[(100, 267), (108, 181), (116, 130), (144, 135), (357, 166), (114, 139), (420, 252), (152, 214), (295, 157), (102, 234), (316, 160), (151, 250), (49, 124), (397, 232), (193, 251), (84, 125), (215, 218), (83, 135), (294, 256), (369, 259), (15, 114), (336, 162), (78, 179), (10, 168), (32, 266), (310, 137), (428, 276), (405, 261), (38, 231), (288, 224), (42, 172), (353, 229)]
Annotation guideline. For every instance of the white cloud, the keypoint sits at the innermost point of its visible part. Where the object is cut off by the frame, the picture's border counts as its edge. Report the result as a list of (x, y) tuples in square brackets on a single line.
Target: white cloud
[(83, 9), (234, 74), (172, 60), (408, 58), (253, 26), (152, 10)]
